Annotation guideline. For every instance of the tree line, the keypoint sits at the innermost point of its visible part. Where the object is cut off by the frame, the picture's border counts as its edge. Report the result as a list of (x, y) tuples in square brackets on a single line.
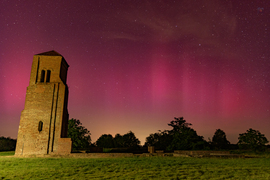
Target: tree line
[(181, 137), (7, 144)]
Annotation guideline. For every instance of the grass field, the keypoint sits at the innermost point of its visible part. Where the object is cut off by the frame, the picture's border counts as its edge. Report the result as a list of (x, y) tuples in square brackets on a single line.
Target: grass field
[(133, 168), (7, 153)]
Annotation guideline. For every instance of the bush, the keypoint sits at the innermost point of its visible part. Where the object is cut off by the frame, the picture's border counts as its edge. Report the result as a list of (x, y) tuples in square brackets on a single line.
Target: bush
[(7, 144)]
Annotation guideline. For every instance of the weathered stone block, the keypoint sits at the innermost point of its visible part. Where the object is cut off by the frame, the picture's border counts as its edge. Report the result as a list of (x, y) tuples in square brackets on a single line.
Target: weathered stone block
[(151, 149)]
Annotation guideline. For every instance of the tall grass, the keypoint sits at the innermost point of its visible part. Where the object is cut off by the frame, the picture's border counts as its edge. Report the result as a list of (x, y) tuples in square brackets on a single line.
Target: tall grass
[(134, 168)]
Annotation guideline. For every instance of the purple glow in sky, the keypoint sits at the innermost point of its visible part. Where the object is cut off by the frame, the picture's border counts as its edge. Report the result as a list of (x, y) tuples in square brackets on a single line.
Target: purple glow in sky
[(134, 65)]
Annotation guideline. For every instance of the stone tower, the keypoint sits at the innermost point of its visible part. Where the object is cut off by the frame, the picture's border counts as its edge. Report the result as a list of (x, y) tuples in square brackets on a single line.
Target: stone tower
[(44, 120)]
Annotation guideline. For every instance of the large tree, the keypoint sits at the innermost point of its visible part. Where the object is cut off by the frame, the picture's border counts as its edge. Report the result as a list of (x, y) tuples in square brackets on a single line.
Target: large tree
[(130, 140), (160, 139), (179, 124), (187, 139), (252, 139), (181, 137), (118, 141), (219, 140), (79, 135), (105, 141)]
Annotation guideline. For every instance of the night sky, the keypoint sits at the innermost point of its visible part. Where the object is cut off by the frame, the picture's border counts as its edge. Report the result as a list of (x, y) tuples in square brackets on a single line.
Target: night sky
[(135, 65)]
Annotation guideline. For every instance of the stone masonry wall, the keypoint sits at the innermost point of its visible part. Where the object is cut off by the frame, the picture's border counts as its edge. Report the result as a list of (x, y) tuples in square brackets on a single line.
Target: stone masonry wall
[(45, 102)]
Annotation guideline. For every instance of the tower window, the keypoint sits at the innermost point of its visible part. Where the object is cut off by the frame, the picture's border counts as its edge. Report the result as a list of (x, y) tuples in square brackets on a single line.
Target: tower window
[(42, 76), (48, 76), (40, 126)]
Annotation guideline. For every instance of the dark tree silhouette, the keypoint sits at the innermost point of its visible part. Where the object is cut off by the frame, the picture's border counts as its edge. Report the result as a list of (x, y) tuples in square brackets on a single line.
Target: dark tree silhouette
[(253, 140), (7, 144), (118, 141), (187, 139), (178, 124), (184, 137), (105, 141), (181, 137), (219, 140), (130, 140), (79, 135), (161, 140)]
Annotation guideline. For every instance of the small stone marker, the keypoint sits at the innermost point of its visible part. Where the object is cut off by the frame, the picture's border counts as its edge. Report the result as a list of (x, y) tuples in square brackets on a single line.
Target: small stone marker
[(151, 149)]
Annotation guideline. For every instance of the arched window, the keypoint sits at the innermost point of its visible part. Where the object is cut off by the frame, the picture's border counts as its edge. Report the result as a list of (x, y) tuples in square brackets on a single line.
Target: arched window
[(40, 126), (48, 76), (42, 76)]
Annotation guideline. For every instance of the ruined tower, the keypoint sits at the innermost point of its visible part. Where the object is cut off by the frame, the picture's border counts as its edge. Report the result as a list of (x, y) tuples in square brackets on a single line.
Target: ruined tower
[(44, 120)]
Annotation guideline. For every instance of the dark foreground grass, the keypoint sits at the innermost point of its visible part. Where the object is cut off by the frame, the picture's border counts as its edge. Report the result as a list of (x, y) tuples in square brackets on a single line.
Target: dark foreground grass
[(134, 168)]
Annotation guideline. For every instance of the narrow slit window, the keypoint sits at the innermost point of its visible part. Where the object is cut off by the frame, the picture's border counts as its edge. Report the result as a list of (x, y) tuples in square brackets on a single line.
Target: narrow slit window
[(48, 76), (42, 76), (40, 126)]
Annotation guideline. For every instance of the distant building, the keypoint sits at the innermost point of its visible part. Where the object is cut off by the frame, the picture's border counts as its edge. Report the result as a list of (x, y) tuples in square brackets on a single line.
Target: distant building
[(44, 120)]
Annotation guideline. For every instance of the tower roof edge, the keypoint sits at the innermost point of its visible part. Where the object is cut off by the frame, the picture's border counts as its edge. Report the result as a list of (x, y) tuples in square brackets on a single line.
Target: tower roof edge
[(50, 53)]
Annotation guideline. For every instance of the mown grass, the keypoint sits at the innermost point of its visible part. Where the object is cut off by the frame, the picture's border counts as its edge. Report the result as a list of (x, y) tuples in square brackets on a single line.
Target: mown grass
[(7, 153), (134, 168)]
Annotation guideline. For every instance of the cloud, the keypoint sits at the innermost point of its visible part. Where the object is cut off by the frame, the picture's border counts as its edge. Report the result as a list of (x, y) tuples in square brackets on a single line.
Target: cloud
[(166, 21)]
